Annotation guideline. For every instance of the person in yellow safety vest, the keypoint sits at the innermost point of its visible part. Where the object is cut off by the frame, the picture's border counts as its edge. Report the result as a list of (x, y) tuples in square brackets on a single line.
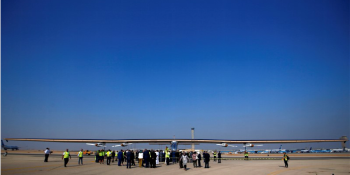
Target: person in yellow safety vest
[(214, 154), (165, 152), (109, 156), (150, 159), (167, 156), (101, 156), (246, 155), (66, 157), (80, 155), (285, 159)]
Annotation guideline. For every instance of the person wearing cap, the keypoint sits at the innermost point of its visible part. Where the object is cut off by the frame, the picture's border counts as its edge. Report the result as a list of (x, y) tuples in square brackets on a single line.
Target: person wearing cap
[(47, 153)]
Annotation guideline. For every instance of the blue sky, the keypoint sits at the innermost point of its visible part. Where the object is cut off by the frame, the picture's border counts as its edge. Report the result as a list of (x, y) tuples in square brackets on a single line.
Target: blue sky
[(154, 69)]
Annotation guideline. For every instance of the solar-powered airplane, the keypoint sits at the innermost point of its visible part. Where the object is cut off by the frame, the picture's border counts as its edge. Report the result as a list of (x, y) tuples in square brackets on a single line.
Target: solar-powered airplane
[(175, 142)]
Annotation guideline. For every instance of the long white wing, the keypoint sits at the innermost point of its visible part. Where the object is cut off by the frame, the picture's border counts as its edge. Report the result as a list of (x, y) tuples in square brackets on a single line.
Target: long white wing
[(343, 139)]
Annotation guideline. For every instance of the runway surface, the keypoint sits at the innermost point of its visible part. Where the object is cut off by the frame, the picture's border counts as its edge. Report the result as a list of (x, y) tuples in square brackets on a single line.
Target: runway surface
[(21, 163)]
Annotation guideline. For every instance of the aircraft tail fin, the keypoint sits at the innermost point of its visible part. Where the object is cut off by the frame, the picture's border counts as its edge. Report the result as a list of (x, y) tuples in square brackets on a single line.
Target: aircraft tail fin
[(310, 148), (280, 147)]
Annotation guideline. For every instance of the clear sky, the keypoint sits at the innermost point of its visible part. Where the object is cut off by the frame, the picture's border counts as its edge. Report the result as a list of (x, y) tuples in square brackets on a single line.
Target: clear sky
[(154, 69)]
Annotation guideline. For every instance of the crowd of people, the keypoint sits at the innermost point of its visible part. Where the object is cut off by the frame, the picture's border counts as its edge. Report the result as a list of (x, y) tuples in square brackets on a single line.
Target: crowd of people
[(145, 158), (148, 158)]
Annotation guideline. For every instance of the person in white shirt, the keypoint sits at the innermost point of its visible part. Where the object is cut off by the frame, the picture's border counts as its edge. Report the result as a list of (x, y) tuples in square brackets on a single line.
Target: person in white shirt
[(157, 158), (184, 160), (47, 153)]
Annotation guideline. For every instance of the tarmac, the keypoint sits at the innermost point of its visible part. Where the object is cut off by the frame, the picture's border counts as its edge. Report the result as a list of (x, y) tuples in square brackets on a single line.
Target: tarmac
[(26, 163)]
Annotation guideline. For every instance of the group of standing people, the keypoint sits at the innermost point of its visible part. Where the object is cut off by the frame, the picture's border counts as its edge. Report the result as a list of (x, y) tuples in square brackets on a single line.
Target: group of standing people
[(128, 156), (218, 155), (147, 158), (206, 157), (65, 156), (195, 158)]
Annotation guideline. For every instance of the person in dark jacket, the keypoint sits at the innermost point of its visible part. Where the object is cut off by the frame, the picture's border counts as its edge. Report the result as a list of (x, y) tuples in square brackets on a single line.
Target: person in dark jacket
[(128, 159), (146, 158), (199, 160), (219, 157), (177, 156), (113, 156), (163, 155), (132, 158), (137, 156), (97, 157), (153, 159), (173, 157), (120, 157), (206, 159)]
